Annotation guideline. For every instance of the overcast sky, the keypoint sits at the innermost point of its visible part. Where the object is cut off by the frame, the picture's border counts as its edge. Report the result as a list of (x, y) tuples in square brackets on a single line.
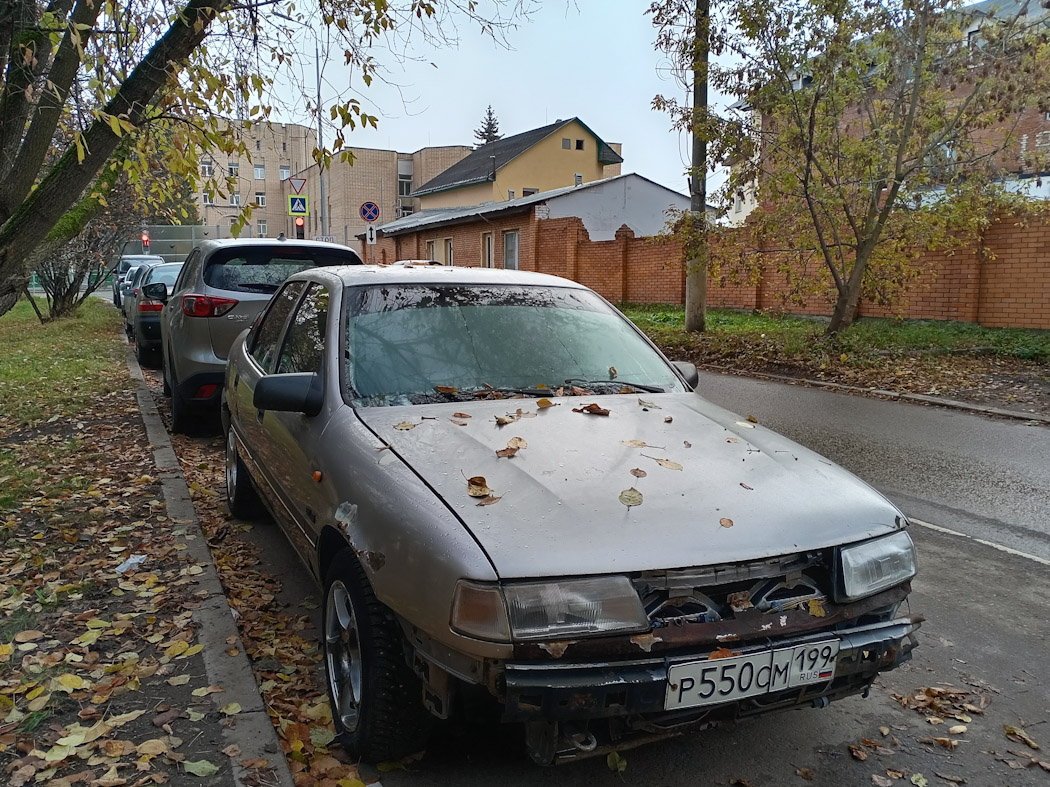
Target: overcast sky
[(595, 61)]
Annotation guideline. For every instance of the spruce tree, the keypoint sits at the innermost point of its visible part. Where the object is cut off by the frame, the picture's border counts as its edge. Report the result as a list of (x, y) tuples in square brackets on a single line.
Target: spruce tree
[(489, 131)]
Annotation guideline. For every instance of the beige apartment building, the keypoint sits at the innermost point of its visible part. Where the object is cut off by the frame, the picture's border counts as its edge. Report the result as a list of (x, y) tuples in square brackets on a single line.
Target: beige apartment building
[(280, 155)]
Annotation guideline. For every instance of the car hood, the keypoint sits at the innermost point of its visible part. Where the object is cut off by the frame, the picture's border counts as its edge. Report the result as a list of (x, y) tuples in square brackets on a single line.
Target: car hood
[(714, 488)]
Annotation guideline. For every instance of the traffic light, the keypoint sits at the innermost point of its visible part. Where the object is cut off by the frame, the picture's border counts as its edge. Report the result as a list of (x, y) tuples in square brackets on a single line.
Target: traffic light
[(145, 241), (300, 227)]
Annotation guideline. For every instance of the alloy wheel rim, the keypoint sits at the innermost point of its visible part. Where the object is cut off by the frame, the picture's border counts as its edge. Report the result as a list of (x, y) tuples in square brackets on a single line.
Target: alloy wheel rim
[(342, 656)]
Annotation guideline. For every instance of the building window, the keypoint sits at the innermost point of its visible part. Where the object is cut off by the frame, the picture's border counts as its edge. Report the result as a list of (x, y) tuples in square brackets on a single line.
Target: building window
[(577, 179), (566, 143), (260, 172), (261, 228), (529, 192), (286, 172), (234, 168), (404, 185), (510, 250), (510, 193), (235, 199), (208, 198), (258, 145), (206, 169), (486, 250), (430, 250), (579, 144), (284, 147), (260, 199), (448, 252)]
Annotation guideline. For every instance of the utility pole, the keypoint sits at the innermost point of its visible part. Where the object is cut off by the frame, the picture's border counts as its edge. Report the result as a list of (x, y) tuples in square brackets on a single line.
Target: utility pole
[(696, 264), (320, 141)]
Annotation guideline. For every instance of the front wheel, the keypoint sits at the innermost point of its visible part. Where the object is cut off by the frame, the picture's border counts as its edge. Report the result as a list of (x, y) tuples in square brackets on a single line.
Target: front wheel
[(241, 496), (377, 701)]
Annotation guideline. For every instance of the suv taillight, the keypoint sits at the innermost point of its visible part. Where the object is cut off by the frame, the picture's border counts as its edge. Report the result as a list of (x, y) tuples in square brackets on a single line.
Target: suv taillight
[(147, 305), (206, 305)]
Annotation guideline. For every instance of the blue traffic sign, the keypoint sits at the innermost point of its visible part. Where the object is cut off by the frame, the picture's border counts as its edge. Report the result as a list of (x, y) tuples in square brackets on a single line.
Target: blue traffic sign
[(298, 205), (369, 211)]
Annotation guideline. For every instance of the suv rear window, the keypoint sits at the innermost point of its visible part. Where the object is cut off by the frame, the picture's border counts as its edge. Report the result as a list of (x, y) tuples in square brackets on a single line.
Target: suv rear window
[(264, 269)]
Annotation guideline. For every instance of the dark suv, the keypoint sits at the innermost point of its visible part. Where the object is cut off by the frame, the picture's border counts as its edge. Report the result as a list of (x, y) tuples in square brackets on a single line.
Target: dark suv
[(222, 287)]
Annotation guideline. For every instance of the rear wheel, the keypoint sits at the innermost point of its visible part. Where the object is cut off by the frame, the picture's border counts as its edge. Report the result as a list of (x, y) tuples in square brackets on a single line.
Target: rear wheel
[(241, 496), (181, 415), (147, 356), (166, 386), (377, 701)]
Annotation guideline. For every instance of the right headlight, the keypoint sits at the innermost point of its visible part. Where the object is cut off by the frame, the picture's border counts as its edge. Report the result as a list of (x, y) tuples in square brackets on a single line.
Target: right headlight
[(555, 610), (877, 565)]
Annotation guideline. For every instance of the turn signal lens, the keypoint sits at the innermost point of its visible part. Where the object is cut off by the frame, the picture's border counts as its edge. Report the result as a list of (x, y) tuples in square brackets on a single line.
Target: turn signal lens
[(206, 305), (478, 611)]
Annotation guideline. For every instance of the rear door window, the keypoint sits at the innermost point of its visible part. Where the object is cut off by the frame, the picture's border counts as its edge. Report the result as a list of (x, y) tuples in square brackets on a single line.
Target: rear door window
[(267, 336), (303, 349), (264, 268)]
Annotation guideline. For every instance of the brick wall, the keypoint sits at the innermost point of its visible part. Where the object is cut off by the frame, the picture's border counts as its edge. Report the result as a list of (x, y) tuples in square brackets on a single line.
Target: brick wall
[(1008, 287)]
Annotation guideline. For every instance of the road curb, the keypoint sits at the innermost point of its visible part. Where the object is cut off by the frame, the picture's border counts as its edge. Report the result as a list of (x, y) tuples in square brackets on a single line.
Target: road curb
[(954, 404), (253, 731)]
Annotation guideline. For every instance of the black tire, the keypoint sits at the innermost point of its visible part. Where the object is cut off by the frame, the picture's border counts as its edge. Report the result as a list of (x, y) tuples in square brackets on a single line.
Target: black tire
[(241, 496), (181, 415), (165, 385), (146, 356), (376, 699)]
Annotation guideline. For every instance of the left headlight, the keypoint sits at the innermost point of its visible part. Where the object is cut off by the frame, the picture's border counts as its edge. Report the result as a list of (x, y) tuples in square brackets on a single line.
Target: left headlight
[(877, 565), (557, 610)]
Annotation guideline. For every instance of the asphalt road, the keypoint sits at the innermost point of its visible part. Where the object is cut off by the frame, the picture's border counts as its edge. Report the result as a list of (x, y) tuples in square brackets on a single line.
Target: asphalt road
[(987, 631)]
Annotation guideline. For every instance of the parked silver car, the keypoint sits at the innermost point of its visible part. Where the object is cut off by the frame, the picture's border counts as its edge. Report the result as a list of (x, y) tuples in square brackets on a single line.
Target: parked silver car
[(504, 488), (129, 290), (222, 287), (123, 265), (145, 313)]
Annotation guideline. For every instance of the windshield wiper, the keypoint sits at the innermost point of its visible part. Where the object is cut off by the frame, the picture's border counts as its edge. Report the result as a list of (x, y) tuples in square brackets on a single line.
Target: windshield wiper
[(639, 386)]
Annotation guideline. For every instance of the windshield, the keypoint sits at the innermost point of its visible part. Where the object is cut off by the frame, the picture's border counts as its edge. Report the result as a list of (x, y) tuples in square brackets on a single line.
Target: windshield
[(264, 268), (166, 274), (426, 343)]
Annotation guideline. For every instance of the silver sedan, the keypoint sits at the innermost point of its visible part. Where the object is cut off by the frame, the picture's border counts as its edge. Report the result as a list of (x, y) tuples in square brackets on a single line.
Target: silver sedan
[(507, 491)]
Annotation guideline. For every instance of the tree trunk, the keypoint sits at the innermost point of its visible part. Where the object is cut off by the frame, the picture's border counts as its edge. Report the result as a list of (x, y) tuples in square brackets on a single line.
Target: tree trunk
[(849, 297), (696, 265)]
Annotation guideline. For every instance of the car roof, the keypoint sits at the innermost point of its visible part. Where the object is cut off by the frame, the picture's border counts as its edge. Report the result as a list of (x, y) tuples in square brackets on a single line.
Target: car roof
[(358, 275), (141, 257), (209, 247)]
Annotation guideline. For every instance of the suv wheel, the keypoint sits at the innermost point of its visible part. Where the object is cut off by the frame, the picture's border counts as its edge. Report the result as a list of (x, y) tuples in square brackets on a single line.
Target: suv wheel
[(376, 699)]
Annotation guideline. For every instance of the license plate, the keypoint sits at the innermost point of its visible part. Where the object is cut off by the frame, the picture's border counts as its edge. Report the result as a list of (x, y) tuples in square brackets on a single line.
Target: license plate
[(712, 682)]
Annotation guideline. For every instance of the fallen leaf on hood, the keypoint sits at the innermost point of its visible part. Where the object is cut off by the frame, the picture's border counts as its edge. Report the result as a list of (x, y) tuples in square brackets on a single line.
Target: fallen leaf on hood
[(458, 423), (544, 403), (404, 426), (666, 463), (488, 500), (668, 419), (631, 497), (748, 488), (725, 522), (506, 453), (1020, 736), (648, 405), (445, 389), (752, 419), (460, 415), (635, 444), (639, 473), (575, 390), (477, 486), (612, 372), (687, 444), (517, 442), (591, 409)]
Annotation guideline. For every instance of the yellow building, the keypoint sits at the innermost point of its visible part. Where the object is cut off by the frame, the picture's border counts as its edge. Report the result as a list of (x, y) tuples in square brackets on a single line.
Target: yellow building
[(565, 153)]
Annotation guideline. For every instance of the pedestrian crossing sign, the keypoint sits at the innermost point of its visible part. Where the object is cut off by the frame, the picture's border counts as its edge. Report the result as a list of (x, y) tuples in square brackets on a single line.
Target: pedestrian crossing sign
[(298, 205)]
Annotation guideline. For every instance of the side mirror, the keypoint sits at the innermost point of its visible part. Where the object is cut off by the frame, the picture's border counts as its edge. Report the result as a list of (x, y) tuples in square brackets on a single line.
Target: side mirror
[(688, 371), (157, 291), (290, 393)]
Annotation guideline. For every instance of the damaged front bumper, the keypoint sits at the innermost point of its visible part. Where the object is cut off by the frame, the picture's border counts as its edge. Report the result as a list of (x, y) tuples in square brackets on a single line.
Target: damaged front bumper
[(556, 700)]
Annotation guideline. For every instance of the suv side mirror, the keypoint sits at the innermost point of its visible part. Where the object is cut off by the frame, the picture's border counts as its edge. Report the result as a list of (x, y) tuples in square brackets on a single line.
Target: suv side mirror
[(157, 291)]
